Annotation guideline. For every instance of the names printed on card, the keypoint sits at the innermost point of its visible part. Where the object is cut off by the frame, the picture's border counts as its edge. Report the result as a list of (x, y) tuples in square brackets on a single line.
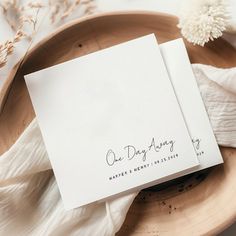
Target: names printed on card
[(146, 155), (145, 166)]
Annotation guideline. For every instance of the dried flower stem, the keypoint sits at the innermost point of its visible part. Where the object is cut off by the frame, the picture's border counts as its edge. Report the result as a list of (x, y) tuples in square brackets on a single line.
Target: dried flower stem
[(18, 17), (90, 6)]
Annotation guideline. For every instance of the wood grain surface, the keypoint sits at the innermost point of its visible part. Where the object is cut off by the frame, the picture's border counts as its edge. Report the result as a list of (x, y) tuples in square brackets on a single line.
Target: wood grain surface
[(199, 204)]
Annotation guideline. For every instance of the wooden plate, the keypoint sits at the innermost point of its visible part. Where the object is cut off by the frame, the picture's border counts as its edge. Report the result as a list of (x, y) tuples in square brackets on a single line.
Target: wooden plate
[(199, 204)]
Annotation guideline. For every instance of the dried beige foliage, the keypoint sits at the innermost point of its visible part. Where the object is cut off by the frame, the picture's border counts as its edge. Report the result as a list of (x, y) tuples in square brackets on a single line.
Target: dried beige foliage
[(62, 8), (6, 49), (19, 16)]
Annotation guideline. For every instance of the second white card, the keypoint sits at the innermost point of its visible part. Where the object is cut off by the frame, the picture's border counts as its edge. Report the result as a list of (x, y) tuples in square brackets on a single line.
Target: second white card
[(186, 89)]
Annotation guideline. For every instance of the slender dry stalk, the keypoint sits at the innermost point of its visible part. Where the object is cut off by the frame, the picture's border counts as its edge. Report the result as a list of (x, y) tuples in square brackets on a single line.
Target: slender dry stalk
[(12, 11), (60, 9), (17, 17), (90, 6), (20, 16)]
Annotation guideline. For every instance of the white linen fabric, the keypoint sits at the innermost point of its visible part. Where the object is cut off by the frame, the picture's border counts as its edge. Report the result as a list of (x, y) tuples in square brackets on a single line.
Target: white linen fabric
[(218, 90), (30, 203)]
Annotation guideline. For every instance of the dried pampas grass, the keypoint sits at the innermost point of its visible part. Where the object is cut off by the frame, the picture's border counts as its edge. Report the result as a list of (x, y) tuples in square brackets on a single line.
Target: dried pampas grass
[(17, 17), (6, 49), (60, 9), (20, 17)]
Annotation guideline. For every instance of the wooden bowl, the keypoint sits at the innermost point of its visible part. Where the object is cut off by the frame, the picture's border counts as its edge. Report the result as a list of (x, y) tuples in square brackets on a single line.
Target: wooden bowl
[(199, 204)]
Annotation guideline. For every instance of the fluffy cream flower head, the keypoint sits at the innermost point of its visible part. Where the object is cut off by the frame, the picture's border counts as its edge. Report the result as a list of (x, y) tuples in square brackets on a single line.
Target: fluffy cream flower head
[(203, 20)]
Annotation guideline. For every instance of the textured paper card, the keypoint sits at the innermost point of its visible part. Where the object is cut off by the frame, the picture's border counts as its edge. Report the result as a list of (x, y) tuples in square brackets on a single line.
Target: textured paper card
[(180, 72), (111, 122)]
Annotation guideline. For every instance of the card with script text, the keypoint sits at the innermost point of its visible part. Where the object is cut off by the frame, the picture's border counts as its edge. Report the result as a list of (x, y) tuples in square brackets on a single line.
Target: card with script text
[(111, 122), (185, 85)]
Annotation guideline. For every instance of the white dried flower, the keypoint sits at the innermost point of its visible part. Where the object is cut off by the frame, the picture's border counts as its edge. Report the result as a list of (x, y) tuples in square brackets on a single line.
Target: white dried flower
[(203, 20)]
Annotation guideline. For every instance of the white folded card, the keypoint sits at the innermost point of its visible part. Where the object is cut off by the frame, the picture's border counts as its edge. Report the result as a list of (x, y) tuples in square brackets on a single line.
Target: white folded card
[(180, 72), (111, 122)]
